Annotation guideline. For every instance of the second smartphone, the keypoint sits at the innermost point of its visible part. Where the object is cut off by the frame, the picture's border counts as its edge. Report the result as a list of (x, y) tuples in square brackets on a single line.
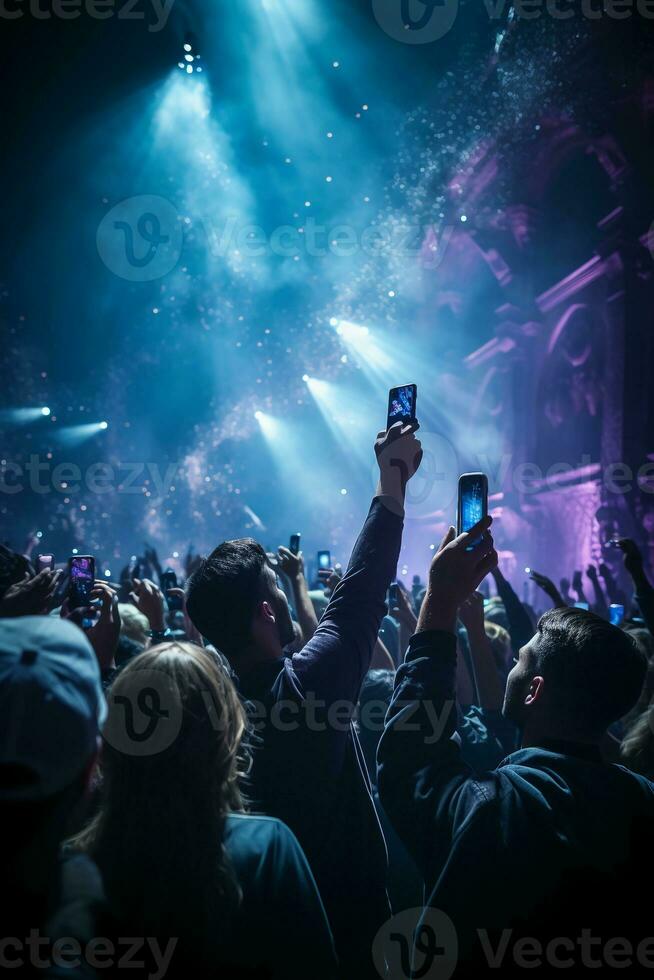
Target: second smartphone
[(472, 501)]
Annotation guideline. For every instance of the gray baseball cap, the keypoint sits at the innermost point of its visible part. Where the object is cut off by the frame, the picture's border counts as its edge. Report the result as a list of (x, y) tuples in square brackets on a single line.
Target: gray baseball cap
[(52, 706)]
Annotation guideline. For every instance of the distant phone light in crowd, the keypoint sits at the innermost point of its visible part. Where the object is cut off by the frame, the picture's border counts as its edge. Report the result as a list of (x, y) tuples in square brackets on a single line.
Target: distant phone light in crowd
[(39, 534), (74, 551), (343, 491), (616, 613), (107, 573), (527, 570)]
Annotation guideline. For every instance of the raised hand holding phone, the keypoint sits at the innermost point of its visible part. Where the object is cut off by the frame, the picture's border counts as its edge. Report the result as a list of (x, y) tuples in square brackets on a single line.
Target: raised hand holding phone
[(45, 562), (82, 579), (402, 404), (472, 503), (456, 570), (398, 453)]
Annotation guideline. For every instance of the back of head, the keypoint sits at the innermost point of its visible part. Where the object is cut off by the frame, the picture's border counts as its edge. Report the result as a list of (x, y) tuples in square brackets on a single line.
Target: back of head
[(593, 671), (133, 624), (500, 642), (494, 612), (52, 706), (51, 709), (223, 593), (170, 771)]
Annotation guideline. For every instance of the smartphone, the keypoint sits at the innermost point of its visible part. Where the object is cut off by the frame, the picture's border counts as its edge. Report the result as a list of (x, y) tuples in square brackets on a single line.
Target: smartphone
[(393, 594), (616, 613), (43, 562), (472, 503), (169, 581), (294, 544), (402, 404), (324, 560), (82, 577)]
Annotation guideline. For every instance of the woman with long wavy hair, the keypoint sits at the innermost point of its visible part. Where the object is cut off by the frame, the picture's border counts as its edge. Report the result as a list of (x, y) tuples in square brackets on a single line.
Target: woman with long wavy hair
[(180, 859)]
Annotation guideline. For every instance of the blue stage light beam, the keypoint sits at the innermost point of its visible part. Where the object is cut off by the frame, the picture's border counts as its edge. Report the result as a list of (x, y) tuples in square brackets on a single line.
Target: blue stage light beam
[(348, 413), (22, 416), (198, 151), (74, 435), (302, 461), (364, 349)]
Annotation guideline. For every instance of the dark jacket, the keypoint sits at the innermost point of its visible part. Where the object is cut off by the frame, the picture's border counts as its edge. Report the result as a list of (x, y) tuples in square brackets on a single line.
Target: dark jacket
[(308, 767), (550, 843)]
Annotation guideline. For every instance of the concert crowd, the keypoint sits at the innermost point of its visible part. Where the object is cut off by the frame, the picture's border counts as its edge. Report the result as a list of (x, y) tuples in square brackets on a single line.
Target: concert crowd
[(246, 774)]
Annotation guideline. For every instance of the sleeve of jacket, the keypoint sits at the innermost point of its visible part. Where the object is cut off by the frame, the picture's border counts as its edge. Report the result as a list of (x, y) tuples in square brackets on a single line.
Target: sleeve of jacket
[(426, 788), (334, 662)]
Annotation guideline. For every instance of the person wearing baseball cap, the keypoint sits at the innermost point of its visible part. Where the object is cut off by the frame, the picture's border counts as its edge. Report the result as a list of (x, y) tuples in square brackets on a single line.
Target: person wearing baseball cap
[(52, 709)]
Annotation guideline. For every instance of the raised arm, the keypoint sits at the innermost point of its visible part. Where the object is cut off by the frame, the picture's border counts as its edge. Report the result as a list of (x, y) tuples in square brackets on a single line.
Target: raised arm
[(600, 605), (520, 628), (336, 659), (489, 687), (578, 587), (292, 568), (549, 588), (422, 778), (633, 562), (405, 616)]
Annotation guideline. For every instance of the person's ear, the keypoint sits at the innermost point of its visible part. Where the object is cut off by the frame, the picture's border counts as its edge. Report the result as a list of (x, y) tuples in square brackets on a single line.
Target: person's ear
[(536, 689), (266, 612)]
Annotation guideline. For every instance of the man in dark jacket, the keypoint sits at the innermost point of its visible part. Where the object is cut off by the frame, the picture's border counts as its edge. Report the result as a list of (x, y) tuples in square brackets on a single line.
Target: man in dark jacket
[(308, 768), (535, 864)]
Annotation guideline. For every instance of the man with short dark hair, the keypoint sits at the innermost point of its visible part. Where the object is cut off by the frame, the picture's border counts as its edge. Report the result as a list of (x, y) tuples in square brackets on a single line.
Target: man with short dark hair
[(224, 595), (308, 768), (537, 862)]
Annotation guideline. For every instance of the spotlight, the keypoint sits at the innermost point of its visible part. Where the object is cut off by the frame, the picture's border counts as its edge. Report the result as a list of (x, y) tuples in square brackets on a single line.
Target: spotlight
[(22, 416), (107, 573), (305, 377), (104, 425), (258, 415), (188, 63), (333, 321)]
